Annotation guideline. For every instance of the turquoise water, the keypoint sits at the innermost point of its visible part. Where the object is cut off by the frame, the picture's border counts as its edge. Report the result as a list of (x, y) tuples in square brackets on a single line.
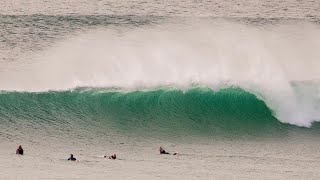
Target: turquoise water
[(247, 66), (166, 113)]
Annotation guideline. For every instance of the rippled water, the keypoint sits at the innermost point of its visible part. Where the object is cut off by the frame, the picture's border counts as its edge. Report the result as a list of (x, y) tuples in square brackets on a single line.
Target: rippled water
[(228, 8)]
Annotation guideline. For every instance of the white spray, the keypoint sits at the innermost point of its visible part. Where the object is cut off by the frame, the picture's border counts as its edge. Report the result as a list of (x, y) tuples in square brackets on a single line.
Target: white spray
[(262, 61)]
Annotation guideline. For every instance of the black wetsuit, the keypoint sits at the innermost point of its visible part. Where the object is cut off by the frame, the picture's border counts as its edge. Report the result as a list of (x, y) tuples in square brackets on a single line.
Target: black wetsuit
[(19, 151), (163, 152), (72, 159)]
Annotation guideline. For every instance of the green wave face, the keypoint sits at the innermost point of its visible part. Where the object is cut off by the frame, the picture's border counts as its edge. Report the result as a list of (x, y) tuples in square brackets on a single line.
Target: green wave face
[(200, 111)]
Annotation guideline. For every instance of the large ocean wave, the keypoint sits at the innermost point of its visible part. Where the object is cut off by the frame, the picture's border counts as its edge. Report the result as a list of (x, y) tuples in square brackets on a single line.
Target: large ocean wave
[(261, 62), (229, 112)]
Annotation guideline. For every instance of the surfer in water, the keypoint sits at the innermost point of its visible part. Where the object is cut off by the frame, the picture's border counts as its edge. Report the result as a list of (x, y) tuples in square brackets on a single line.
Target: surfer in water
[(71, 158), (114, 156), (162, 151), (19, 150)]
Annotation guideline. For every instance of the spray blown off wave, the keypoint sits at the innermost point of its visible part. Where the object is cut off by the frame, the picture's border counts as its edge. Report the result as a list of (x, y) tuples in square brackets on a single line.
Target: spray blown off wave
[(261, 61)]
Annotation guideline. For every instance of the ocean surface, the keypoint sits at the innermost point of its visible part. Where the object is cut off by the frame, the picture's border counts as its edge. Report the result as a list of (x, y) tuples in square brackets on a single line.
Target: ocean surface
[(232, 86)]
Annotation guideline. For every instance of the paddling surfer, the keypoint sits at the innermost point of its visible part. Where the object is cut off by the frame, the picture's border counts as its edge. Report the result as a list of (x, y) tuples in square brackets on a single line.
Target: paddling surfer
[(114, 156), (19, 150), (162, 151), (71, 158)]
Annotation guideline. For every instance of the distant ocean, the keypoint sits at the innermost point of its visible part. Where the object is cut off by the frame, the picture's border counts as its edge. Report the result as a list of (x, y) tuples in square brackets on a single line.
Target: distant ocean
[(233, 86)]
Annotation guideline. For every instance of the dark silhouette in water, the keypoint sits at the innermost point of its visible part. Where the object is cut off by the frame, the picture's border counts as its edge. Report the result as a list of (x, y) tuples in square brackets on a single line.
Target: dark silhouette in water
[(162, 151), (19, 150), (114, 156), (71, 158)]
